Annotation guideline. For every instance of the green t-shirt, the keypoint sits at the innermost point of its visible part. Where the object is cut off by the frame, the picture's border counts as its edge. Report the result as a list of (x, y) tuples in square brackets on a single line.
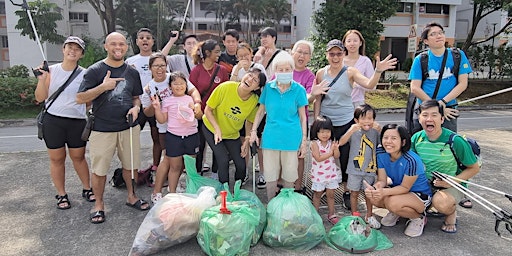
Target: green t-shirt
[(437, 156), (230, 110)]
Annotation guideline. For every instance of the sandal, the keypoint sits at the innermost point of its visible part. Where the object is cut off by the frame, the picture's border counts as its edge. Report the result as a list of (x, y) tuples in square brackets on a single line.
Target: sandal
[(466, 203), (97, 217), (138, 205), (87, 194), (445, 229), (333, 219), (63, 200)]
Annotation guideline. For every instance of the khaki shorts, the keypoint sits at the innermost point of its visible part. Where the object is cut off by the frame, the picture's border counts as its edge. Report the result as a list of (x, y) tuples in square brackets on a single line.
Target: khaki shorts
[(103, 145), (275, 161), (456, 194)]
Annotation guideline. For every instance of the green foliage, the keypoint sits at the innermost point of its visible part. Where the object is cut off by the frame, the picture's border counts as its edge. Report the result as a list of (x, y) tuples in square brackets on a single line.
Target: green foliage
[(93, 52), (407, 65), (45, 15), (17, 92), (16, 71), (334, 18), (500, 58)]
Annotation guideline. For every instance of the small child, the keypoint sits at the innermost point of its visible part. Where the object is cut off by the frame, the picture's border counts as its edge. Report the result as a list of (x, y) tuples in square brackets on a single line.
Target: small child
[(363, 137), (182, 133), (324, 150)]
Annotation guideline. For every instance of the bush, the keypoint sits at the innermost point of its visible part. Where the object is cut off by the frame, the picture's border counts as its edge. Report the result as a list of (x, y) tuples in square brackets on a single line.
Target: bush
[(407, 65), (16, 71), (17, 92)]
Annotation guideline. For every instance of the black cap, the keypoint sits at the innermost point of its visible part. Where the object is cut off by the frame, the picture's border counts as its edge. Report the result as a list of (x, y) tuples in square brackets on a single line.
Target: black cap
[(335, 43)]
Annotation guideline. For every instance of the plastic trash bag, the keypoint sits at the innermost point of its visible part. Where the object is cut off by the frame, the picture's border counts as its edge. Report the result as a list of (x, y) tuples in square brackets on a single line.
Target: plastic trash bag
[(292, 222), (352, 234), (254, 202), (195, 180), (228, 234), (173, 220)]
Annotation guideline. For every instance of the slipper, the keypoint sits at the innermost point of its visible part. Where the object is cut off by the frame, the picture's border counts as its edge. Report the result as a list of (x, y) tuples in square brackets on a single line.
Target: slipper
[(63, 200), (333, 219), (97, 217), (443, 228), (138, 205), (466, 203), (87, 194)]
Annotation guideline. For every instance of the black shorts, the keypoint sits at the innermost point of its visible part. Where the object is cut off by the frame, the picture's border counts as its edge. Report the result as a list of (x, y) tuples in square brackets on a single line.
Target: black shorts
[(61, 131), (143, 118), (181, 145)]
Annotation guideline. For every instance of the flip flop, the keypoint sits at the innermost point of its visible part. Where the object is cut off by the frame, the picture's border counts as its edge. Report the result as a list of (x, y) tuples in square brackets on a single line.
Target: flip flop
[(466, 203), (445, 225), (333, 219), (138, 205), (99, 216)]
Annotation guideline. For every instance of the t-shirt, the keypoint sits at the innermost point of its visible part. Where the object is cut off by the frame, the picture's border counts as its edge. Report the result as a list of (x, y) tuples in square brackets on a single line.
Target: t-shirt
[(111, 115), (409, 164), (448, 82), (65, 105), (165, 92), (337, 103), (437, 156), (230, 110), (200, 78), (242, 72), (141, 64), (283, 130), (228, 61), (306, 79), (365, 66), (270, 68), (362, 157), (177, 63), (180, 115)]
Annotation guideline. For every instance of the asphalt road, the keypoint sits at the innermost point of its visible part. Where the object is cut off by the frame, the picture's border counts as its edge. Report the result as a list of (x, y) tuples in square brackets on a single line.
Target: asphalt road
[(33, 226)]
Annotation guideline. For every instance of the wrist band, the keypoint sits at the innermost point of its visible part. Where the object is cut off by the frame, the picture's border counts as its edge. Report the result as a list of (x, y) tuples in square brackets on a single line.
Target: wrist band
[(444, 101)]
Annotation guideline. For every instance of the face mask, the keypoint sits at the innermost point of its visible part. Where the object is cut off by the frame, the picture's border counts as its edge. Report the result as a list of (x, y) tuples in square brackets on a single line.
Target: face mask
[(284, 78)]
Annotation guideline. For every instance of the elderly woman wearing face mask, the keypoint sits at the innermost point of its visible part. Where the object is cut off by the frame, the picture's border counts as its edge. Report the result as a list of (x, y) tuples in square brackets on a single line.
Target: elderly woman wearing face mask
[(284, 136)]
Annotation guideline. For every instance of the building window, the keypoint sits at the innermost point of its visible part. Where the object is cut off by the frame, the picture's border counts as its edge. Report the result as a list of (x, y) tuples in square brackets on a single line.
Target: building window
[(5, 41), (78, 17), (2, 7), (435, 8), (404, 7), (202, 26), (287, 29), (204, 6)]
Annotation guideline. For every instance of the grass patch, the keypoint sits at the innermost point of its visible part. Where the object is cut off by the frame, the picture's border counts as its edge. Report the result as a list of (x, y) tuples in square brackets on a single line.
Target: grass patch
[(387, 98), (20, 113)]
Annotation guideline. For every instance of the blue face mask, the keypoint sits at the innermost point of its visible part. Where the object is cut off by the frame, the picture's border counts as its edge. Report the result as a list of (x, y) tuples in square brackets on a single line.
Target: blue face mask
[(284, 78)]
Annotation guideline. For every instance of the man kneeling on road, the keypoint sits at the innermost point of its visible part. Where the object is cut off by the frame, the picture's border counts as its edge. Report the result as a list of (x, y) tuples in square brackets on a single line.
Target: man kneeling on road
[(431, 144)]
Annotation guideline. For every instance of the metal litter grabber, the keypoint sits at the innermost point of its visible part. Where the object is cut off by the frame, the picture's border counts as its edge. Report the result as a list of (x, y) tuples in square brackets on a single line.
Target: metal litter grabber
[(25, 7), (130, 123), (500, 214), (184, 19), (254, 151)]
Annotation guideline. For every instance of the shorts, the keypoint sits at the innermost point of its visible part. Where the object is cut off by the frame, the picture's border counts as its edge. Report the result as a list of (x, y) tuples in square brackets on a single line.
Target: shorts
[(181, 145), (143, 118), (424, 198), (456, 194), (355, 181), (103, 145), (276, 161), (321, 186), (61, 131)]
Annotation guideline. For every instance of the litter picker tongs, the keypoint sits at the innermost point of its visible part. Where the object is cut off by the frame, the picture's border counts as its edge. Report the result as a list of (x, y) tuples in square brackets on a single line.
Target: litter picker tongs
[(25, 7), (500, 214)]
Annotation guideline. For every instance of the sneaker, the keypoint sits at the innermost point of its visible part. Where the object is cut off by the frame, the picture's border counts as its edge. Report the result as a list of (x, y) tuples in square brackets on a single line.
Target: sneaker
[(390, 219), (346, 200), (244, 181), (156, 197), (214, 176), (261, 182), (373, 222), (415, 226), (257, 167)]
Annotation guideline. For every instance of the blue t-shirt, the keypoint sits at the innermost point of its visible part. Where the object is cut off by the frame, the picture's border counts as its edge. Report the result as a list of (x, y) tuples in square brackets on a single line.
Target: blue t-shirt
[(448, 82), (282, 129), (409, 164)]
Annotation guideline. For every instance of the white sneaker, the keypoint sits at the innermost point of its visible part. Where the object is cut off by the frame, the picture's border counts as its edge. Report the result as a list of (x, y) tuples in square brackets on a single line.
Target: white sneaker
[(244, 181), (261, 182), (415, 226), (373, 222), (389, 220), (156, 197), (214, 176)]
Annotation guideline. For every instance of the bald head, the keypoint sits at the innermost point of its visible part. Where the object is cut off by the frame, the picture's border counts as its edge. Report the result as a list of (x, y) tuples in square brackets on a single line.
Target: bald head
[(116, 47)]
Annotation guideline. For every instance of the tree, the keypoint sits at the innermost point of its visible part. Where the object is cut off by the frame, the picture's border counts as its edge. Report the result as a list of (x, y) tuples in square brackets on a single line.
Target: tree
[(45, 15), (107, 12), (481, 9), (335, 17), (277, 10)]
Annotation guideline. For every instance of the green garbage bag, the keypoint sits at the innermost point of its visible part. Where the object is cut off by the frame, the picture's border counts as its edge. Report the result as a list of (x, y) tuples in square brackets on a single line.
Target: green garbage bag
[(254, 202), (195, 180), (352, 234), (292, 222), (227, 234)]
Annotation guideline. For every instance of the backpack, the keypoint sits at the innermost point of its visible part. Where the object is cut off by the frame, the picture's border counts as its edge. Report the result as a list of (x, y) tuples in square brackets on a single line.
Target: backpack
[(117, 180), (411, 100), (474, 147)]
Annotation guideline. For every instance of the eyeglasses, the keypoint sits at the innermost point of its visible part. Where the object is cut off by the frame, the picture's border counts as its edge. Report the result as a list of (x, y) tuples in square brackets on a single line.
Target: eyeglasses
[(159, 66), (435, 34), (336, 54), (254, 78), (303, 53)]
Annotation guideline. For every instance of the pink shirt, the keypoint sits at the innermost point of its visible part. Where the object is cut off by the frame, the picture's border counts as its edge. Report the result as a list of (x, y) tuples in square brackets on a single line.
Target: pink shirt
[(180, 115), (365, 66)]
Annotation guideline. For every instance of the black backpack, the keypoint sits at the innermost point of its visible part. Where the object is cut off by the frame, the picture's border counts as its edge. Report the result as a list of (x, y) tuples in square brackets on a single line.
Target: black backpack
[(411, 100), (117, 180), (474, 147)]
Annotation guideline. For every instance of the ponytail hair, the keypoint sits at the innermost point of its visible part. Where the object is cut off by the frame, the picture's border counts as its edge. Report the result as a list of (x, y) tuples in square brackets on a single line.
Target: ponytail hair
[(199, 51)]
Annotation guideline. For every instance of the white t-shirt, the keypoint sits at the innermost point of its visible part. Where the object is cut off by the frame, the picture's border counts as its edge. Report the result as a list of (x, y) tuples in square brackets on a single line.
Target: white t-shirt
[(141, 64), (65, 105)]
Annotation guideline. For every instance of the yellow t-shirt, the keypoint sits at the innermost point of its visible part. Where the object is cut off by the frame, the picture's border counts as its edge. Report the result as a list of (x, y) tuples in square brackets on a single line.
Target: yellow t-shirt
[(230, 110)]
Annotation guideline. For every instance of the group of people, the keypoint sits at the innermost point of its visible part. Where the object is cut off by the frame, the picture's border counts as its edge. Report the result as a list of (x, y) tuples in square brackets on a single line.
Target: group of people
[(230, 100)]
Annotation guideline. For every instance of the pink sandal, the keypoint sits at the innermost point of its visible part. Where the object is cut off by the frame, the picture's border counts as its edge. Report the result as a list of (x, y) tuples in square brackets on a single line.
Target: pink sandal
[(333, 219)]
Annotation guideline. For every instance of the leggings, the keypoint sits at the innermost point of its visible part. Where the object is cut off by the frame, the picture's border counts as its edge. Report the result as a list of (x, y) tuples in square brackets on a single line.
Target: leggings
[(344, 150)]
